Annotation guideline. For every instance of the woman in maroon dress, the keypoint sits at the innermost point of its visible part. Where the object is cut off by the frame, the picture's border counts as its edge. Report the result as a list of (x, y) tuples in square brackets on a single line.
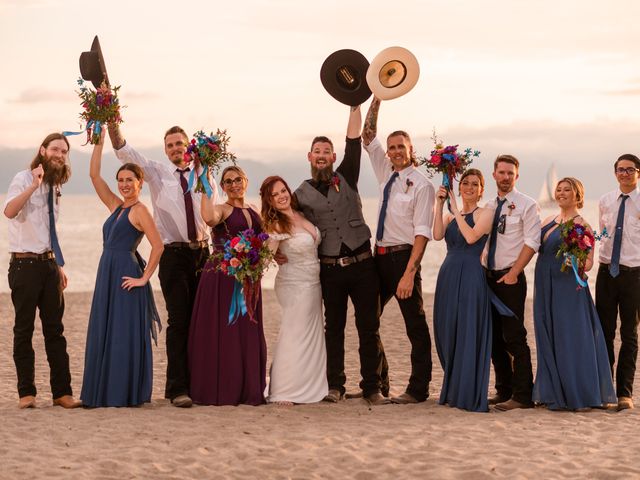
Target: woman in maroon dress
[(227, 356)]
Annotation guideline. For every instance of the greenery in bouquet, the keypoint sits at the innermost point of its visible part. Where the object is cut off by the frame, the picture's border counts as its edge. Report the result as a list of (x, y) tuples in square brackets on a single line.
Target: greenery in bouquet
[(100, 106), (245, 257), (207, 152), (577, 242), (447, 160)]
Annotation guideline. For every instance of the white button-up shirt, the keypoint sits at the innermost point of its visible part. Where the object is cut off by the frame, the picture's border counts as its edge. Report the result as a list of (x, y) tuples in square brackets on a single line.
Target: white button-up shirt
[(608, 215), (29, 230), (411, 200), (522, 227), (167, 197)]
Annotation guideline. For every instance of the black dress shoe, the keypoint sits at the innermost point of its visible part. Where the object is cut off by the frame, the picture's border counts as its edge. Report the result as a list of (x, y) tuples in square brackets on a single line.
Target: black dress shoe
[(497, 398)]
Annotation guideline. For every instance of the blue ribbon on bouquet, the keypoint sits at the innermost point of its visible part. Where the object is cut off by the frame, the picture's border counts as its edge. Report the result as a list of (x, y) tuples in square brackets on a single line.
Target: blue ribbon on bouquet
[(238, 307), (94, 125), (574, 266), (203, 180), (446, 183)]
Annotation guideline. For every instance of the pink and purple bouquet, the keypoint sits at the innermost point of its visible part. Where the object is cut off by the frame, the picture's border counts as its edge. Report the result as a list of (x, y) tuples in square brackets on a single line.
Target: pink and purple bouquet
[(577, 242), (207, 152), (246, 257), (448, 161)]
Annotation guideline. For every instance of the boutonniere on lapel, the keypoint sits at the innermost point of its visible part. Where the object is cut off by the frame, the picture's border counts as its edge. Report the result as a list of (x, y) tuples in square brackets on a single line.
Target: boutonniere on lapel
[(408, 185), (58, 193), (335, 182), (511, 207)]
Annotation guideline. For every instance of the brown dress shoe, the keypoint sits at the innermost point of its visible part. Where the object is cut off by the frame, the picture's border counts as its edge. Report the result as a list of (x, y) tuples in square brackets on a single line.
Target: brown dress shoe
[(512, 405), (334, 396), (625, 403), (404, 399), (377, 399), (497, 398), (182, 401), (67, 401), (358, 394), (28, 401)]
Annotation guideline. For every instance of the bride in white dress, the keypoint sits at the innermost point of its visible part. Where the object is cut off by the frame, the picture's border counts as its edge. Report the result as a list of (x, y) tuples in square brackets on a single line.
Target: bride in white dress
[(298, 370)]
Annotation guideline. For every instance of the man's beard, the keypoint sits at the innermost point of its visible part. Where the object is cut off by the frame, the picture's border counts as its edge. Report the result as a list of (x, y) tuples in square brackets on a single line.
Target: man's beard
[(55, 174), (322, 175)]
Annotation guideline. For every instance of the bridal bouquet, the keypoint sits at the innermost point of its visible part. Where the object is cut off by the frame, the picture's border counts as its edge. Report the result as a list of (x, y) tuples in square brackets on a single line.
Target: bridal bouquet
[(245, 257), (208, 152), (577, 242), (100, 107), (448, 161)]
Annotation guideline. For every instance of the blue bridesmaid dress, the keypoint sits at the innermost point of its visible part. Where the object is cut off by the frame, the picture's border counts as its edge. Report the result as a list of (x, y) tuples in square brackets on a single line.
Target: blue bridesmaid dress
[(118, 358), (573, 367)]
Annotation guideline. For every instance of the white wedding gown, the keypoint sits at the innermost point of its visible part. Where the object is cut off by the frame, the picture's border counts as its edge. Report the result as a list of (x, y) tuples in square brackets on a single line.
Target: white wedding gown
[(299, 367)]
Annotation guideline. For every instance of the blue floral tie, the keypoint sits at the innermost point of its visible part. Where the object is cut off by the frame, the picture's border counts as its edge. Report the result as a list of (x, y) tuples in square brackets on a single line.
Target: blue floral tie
[(614, 266), (55, 245), (383, 207)]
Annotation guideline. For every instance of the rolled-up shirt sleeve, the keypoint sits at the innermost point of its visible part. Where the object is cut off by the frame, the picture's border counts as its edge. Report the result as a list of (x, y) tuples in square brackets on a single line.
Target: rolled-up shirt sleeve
[(531, 226), (423, 211), (377, 155), (128, 154)]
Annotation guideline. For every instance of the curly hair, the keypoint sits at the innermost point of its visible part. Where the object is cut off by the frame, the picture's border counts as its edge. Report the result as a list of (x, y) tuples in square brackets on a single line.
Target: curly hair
[(273, 220)]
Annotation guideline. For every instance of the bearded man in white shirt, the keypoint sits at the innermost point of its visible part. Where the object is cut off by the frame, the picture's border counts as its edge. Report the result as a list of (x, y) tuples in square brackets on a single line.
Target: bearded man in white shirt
[(405, 219), (177, 214), (515, 238), (36, 277), (618, 280)]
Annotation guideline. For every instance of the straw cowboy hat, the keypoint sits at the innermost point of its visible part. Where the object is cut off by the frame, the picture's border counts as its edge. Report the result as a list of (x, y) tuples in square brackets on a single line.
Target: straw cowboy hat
[(92, 65), (343, 76), (392, 73)]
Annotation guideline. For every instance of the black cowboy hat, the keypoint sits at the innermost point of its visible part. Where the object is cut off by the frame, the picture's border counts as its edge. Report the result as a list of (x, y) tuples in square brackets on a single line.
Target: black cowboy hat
[(343, 75), (92, 65)]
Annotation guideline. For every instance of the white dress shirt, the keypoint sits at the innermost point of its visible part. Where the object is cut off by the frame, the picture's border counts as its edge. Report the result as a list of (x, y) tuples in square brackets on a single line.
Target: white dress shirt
[(608, 215), (411, 200), (29, 230), (167, 197), (522, 227)]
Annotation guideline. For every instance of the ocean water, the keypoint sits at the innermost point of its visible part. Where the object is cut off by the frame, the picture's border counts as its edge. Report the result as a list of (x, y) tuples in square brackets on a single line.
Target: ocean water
[(80, 233)]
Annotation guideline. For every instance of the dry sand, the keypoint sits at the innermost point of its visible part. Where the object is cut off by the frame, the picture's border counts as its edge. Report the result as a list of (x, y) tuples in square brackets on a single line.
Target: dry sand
[(323, 440)]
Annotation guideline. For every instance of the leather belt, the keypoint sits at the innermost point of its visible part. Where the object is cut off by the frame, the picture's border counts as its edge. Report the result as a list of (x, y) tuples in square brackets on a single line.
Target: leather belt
[(392, 249), (497, 274), (623, 268), (345, 261), (33, 256), (190, 245)]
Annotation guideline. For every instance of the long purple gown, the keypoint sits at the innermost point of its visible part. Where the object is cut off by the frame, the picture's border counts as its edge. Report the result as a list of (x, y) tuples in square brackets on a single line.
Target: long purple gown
[(227, 362)]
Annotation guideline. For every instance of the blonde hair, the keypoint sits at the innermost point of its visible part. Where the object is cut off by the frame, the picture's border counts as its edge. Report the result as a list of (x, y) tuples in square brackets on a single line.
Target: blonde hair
[(576, 186)]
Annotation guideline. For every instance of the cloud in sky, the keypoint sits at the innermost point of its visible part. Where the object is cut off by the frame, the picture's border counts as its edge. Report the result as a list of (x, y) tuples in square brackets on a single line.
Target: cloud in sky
[(42, 95)]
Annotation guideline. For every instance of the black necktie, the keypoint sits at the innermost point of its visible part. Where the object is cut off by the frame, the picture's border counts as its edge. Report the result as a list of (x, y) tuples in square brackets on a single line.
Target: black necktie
[(614, 266), (491, 259)]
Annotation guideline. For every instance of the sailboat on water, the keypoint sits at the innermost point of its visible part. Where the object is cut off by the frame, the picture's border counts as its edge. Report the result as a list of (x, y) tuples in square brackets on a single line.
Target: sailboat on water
[(547, 197)]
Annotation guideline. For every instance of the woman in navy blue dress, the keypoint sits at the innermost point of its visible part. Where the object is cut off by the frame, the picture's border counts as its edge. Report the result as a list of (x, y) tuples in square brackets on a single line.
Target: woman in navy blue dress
[(118, 359), (463, 300), (573, 367)]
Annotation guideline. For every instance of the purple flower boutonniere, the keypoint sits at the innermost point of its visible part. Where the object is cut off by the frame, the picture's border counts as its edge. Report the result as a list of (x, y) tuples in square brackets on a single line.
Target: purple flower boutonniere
[(408, 185), (511, 208), (335, 181)]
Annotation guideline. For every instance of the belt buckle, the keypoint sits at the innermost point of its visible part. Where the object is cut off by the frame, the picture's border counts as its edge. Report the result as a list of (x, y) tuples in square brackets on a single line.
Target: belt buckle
[(344, 261), (381, 250)]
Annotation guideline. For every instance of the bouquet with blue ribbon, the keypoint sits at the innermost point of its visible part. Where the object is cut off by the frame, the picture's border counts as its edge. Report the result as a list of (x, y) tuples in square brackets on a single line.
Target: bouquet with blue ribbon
[(207, 152), (100, 108), (577, 242), (245, 256)]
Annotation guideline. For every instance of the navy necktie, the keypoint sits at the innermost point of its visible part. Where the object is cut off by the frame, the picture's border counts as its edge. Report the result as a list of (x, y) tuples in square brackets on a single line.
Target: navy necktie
[(491, 258), (614, 266), (55, 245), (383, 207), (188, 206)]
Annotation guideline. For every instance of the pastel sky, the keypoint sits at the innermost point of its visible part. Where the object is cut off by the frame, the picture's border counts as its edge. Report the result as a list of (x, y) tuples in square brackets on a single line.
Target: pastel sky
[(546, 79)]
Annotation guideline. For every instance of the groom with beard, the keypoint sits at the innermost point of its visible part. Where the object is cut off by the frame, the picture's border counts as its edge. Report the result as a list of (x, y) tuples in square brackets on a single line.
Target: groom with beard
[(36, 277), (331, 201)]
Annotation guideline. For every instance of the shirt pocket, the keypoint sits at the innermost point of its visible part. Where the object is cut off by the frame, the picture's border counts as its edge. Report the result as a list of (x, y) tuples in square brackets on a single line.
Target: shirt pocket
[(401, 205)]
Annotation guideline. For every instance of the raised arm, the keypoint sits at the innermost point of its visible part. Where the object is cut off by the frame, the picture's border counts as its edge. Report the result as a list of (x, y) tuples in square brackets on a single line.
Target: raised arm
[(117, 139), (355, 122), (482, 225), (370, 130), (440, 222), (141, 218), (101, 187)]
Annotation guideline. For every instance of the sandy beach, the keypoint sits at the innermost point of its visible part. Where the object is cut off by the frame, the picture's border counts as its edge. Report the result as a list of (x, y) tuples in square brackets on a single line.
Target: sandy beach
[(349, 439)]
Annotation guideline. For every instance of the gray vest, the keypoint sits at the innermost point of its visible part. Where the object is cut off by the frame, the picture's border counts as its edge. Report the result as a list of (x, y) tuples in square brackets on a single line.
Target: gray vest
[(338, 216)]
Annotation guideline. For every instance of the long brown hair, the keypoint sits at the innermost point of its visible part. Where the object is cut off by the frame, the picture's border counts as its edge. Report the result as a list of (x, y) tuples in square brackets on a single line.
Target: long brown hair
[(51, 176), (273, 220)]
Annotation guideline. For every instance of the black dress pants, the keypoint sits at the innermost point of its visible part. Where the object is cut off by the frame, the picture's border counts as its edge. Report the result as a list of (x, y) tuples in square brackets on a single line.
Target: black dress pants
[(358, 281), (620, 295), (37, 284), (179, 273), (510, 352), (390, 268)]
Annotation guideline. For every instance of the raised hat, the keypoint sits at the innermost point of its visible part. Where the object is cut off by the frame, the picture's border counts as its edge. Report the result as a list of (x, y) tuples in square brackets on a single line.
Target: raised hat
[(92, 66), (343, 75), (392, 73)]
